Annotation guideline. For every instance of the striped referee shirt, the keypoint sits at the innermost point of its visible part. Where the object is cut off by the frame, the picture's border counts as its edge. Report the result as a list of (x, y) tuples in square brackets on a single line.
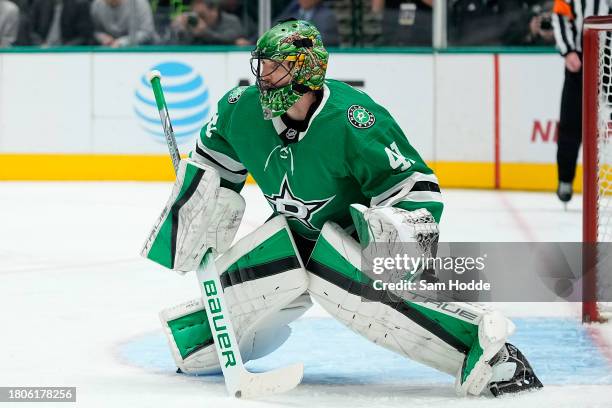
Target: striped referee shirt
[(567, 19)]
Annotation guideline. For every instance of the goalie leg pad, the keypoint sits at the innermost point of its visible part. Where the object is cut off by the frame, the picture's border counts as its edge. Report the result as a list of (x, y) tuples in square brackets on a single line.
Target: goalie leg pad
[(198, 215), (338, 284), (434, 333), (264, 283)]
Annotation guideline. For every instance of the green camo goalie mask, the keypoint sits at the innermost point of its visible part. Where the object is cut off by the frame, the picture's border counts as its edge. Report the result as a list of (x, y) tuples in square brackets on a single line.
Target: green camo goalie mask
[(289, 61)]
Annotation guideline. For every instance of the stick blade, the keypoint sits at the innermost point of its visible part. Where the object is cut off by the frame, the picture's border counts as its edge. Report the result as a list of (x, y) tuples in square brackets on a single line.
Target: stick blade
[(257, 385)]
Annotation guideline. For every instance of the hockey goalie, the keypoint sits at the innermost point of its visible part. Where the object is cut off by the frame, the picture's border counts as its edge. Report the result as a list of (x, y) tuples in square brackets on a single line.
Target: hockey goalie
[(338, 172)]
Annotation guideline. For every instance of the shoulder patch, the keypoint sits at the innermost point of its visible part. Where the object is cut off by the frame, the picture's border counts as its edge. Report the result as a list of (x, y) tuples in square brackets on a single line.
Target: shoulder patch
[(360, 117), (235, 94)]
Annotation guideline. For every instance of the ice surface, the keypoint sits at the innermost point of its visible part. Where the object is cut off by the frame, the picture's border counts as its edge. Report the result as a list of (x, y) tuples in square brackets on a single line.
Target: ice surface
[(79, 308)]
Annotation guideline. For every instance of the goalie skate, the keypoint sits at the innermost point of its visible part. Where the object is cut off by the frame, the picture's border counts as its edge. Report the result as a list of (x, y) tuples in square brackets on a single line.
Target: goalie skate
[(511, 372)]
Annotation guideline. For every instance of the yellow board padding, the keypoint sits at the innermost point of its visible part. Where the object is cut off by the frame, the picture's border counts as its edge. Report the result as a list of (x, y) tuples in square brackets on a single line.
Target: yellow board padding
[(464, 174), (513, 176), (85, 167), (115, 167), (534, 176)]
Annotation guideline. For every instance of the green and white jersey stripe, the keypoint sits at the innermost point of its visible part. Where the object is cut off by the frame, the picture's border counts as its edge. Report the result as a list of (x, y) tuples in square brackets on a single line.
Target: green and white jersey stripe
[(417, 187), (228, 168)]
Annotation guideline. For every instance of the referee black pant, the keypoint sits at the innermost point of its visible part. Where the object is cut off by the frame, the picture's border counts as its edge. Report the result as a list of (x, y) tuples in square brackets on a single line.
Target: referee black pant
[(570, 126)]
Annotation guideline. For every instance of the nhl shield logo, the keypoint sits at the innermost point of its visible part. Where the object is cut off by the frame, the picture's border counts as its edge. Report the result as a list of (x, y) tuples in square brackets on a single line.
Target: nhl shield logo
[(291, 134), (360, 117)]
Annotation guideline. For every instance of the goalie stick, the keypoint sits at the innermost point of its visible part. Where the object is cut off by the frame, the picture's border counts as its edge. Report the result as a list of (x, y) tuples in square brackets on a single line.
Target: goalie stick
[(239, 382)]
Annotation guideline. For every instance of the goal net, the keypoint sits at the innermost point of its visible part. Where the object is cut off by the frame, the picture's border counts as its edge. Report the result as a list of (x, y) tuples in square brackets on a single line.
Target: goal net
[(597, 164)]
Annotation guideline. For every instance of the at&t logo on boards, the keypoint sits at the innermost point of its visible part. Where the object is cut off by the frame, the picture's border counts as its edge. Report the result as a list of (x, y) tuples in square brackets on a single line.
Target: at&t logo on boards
[(187, 97)]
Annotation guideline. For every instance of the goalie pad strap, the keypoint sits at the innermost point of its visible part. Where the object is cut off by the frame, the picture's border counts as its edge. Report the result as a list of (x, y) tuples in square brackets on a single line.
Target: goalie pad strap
[(250, 273)]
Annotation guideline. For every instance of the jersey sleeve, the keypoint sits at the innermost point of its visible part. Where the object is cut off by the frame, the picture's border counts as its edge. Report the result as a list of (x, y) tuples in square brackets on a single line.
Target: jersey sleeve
[(392, 173), (212, 148), (564, 26)]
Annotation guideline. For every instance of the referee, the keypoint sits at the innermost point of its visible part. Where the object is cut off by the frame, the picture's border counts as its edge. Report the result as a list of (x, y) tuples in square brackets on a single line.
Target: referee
[(568, 16)]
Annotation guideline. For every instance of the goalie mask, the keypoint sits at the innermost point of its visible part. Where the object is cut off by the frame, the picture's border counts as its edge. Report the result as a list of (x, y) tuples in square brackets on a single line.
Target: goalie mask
[(292, 50)]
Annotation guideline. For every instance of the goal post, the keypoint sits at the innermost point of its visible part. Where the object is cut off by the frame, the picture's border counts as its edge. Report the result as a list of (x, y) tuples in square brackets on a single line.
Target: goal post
[(597, 166)]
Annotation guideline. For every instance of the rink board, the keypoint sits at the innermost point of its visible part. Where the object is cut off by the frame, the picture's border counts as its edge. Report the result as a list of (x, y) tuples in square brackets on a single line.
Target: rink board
[(481, 119)]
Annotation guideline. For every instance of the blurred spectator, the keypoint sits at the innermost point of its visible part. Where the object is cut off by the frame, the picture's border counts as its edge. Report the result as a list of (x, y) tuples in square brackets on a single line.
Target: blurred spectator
[(532, 27), (318, 14), (496, 22), (244, 13), (121, 23), (9, 23), (23, 34), (476, 22), (163, 12), (406, 22), (359, 22), (208, 24), (60, 22), (23, 5)]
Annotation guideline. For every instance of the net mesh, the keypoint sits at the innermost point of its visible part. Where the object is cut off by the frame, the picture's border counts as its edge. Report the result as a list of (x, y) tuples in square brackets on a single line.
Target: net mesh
[(604, 169)]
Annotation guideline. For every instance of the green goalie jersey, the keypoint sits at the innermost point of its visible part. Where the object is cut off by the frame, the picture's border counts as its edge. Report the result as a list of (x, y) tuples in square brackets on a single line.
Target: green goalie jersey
[(352, 151)]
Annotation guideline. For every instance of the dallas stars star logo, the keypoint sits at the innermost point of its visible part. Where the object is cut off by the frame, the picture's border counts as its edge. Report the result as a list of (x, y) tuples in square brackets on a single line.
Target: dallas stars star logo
[(287, 203)]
